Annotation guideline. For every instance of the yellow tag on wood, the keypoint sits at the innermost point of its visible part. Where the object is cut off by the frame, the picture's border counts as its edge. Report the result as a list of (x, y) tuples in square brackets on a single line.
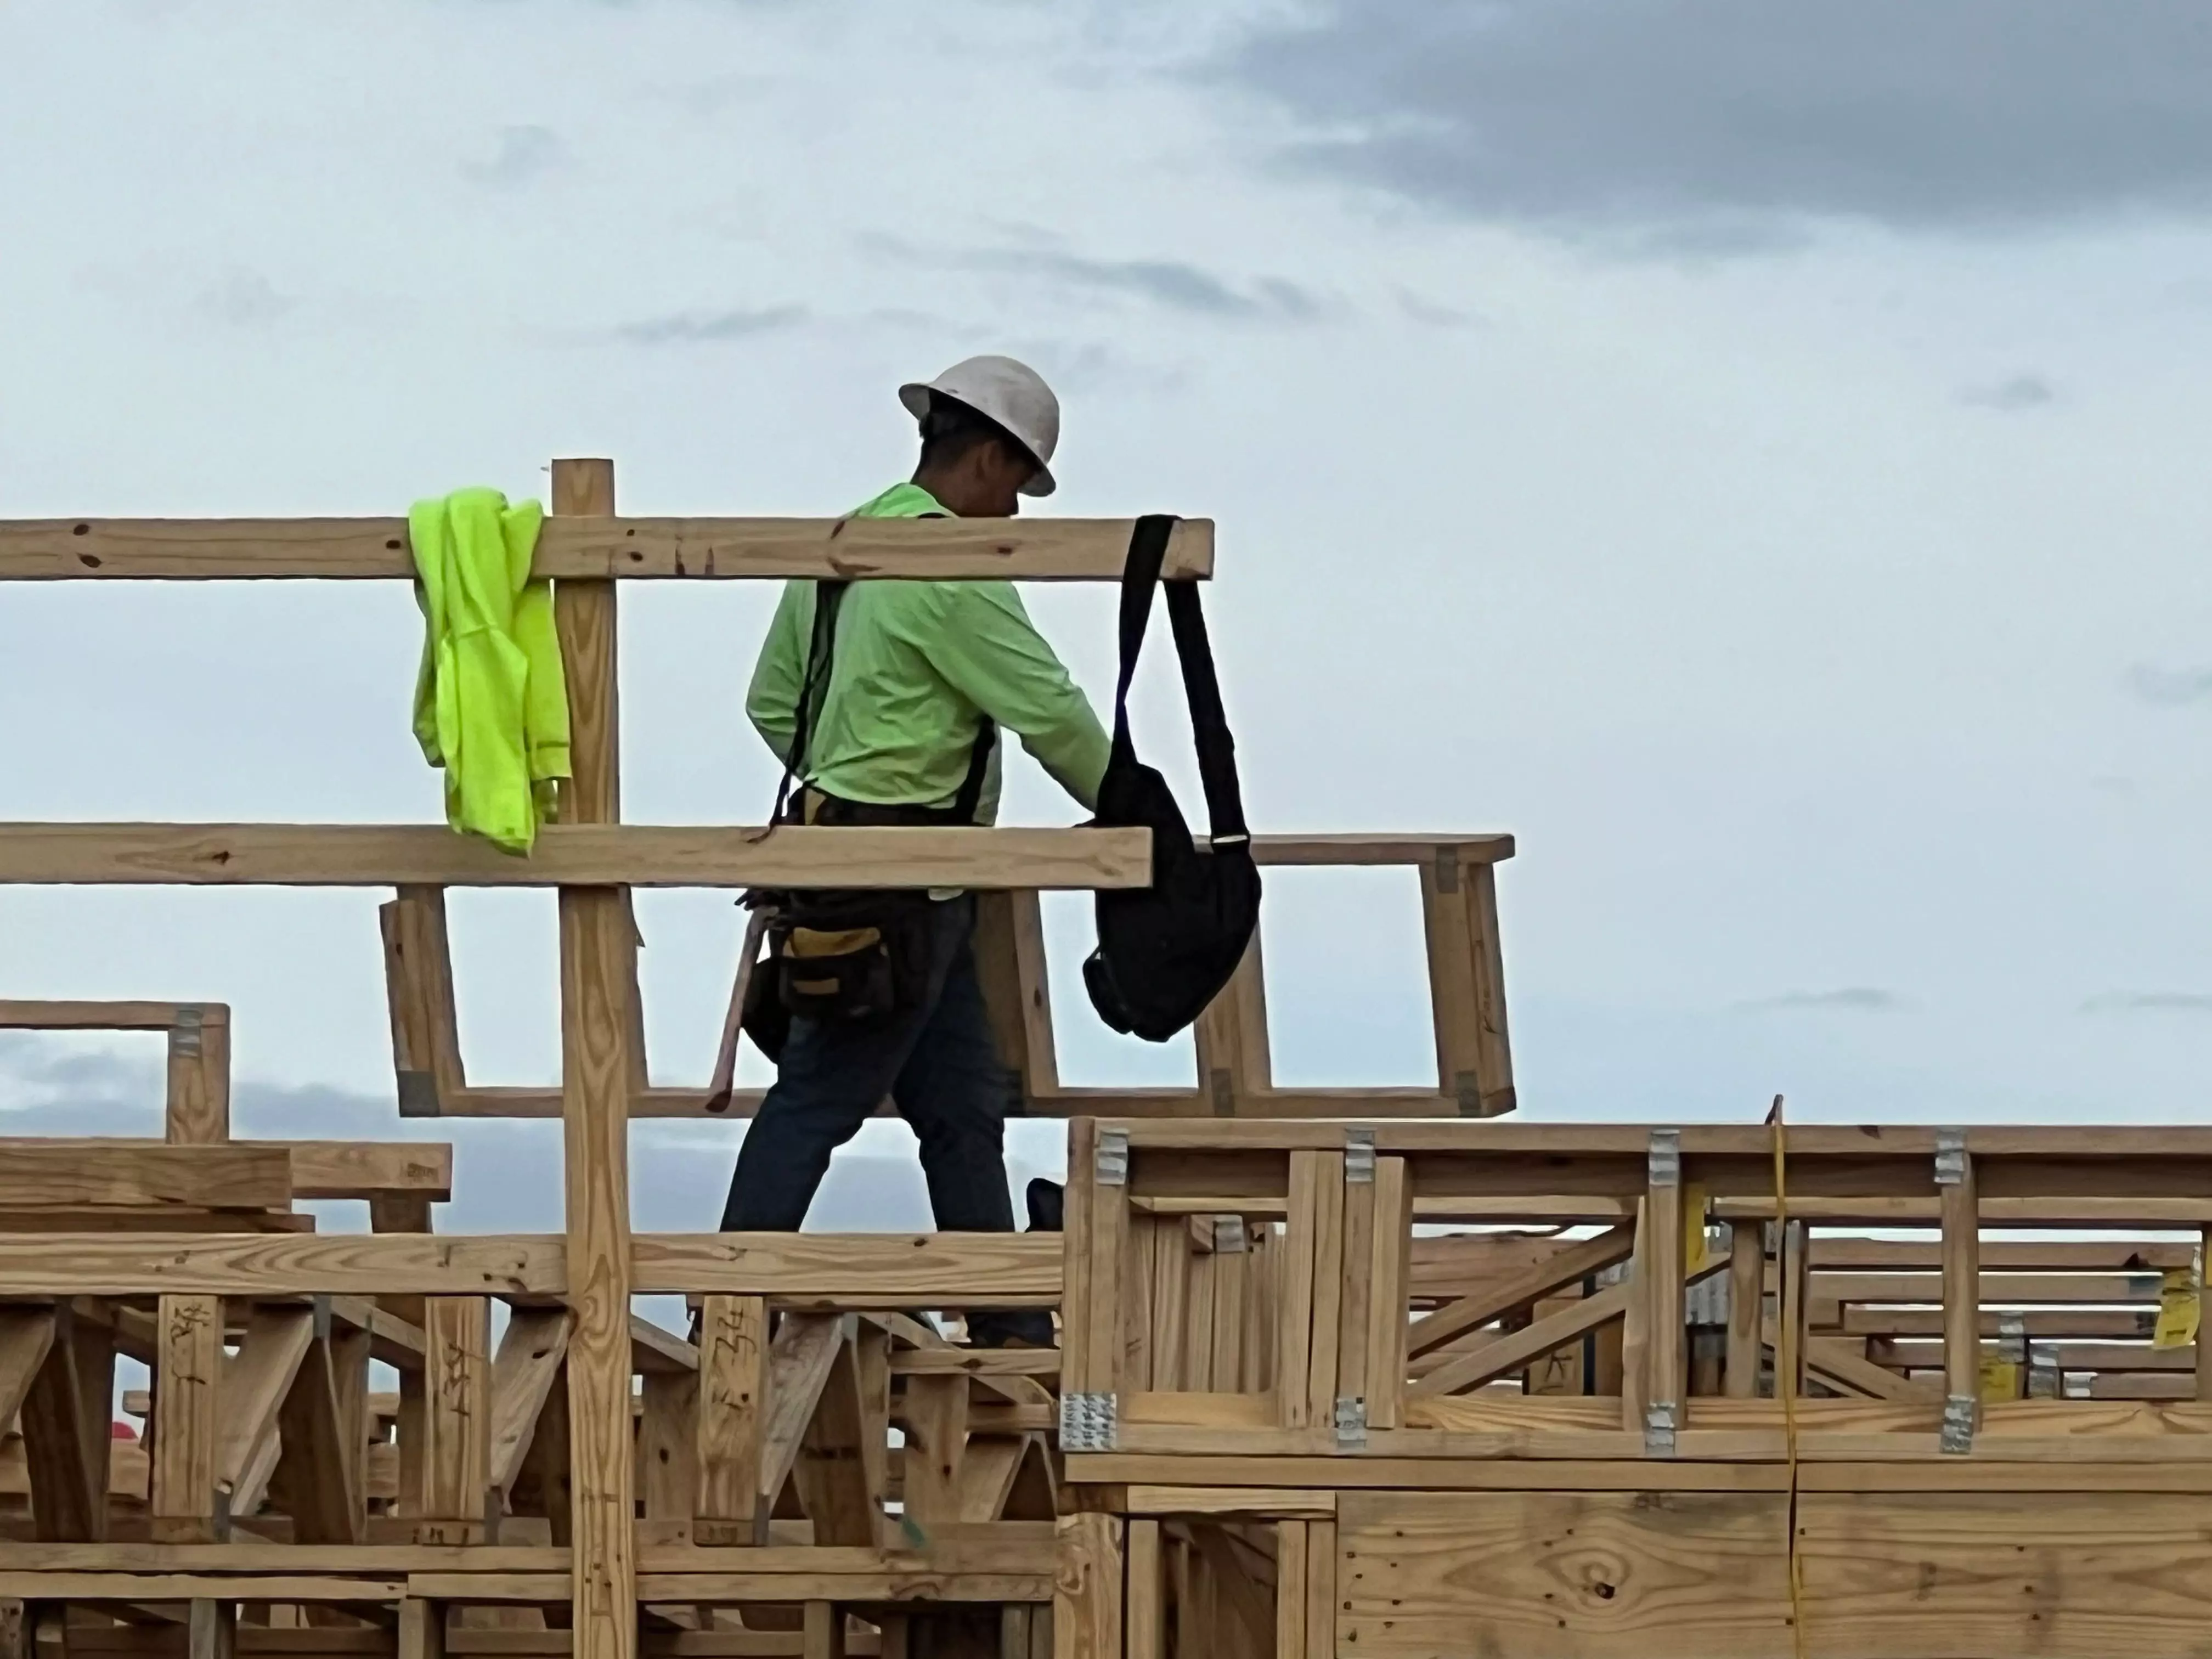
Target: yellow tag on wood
[(1697, 1249), (2179, 1309), (2000, 1380)]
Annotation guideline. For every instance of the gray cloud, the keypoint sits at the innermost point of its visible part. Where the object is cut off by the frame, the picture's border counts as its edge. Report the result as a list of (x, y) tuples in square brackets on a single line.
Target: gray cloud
[(520, 154), (1854, 998), (245, 299), (1171, 284), (1742, 119), (2149, 1002), (2012, 395), (702, 327), (2170, 688), (1430, 314)]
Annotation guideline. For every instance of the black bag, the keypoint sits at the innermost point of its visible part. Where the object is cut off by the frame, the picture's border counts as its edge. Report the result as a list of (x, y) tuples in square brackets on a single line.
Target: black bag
[(844, 956), (1165, 951)]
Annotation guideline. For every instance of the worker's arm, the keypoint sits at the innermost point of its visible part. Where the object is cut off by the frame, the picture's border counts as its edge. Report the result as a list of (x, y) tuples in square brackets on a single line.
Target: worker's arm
[(772, 700), (986, 648)]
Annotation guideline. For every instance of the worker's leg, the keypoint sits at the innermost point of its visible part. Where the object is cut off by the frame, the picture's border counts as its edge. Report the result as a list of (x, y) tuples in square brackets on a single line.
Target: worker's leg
[(828, 1081), (957, 1093)]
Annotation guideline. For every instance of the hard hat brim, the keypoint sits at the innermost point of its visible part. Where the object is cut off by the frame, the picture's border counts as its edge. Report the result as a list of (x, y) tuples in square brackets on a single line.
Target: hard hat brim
[(916, 394)]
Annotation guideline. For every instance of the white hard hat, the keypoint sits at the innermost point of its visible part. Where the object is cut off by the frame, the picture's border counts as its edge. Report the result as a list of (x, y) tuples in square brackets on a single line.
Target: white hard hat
[(1012, 393)]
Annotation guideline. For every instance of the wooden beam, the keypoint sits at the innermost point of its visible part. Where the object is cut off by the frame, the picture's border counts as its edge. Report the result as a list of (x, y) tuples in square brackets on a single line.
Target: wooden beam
[(368, 1169), (66, 1413), (142, 1175), (531, 1351), (197, 1106), (187, 1429), (19, 1014), (1962, 1343), (830, 1470), (805, 1349), (576, 548), (1746, 1284), (598, 1070), (568, 855), (1515, 1349), (1086, 1598), (860, 1272), (322, 1427), (418, 974), (733, 1350), (254, 1386), (1569, 1265), (210, 1264), (456, 1420), (27, 1336), (1234, 1061)]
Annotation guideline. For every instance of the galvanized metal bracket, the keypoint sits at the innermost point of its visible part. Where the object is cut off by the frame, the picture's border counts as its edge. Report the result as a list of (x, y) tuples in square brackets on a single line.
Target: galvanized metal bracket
[(1959, 1412), (185, 1035), (1229, 1234), (1360, 1155), (1666, 1157), (1089, 1422), (1351, 1422), (418, 1095), (2012, 1338), (1659, 1425), (1950, 1156), (1110, 1165)]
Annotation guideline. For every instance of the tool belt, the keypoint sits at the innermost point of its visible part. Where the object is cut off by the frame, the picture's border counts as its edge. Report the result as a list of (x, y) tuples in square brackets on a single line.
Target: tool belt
[(846, 957)]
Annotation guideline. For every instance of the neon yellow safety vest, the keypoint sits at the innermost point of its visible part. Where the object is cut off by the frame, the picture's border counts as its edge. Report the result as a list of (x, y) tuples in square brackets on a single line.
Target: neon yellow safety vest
[(491, 703)]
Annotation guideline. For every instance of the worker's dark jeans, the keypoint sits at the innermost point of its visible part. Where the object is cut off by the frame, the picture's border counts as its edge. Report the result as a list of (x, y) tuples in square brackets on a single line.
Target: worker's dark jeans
[(941, 1068)]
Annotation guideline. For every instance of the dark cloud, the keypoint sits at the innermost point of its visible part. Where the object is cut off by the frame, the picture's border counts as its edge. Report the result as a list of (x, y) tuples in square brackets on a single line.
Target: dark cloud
[(519, 156), (1736, 122), (2012, 395), (1171, 284), (2149, 1002), (1852, 999), (2170, 688), (703, 327)]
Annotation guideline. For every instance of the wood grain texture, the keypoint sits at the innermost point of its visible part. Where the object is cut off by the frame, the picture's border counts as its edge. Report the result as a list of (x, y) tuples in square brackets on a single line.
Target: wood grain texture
[(143, 1175), (569, 855), (20, 1014), (1086, 1595), (1563, 1574), (598, 548), (856, 1271), (138, 1264), (67, 1450), (524, 1372), (1518, 1287), (733, 1349), (457, 1419), (186, 1431), (418, 980), (197, 1108)]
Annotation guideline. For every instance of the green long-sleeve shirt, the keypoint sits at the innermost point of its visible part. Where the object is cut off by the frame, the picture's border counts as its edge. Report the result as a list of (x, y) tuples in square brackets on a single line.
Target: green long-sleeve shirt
[(917, 664)]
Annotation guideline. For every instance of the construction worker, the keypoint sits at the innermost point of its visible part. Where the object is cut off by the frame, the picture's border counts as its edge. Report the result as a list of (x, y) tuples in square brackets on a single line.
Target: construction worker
[(920, 677)]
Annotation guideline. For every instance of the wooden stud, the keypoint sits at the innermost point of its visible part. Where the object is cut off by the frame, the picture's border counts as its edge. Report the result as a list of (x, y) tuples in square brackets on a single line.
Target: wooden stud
[(733, 1348), (419, 974), (1789, 1352), (198, 1108), (2203, 1336), (1961, 1224), (186, 1428), (1146, 1631), (211, 1629), (1321, 1590), (1458, 910), (320, 1428), (1389, 1269), (1235, 1069), (66, 1411), (1357, 1276), (1327, 1288), (1660, 1286), (532, 1352), (1086, 1597), (1294, 1315), (936, 1438), (823, 1634), (831, 1472), (1010, 963), (668, 1453), (1747, 1298), (254, 1387), (1292, 1546), (456, 1420), (1636, 1327), (422, 1630), (1078, 1368), (600, 1069)]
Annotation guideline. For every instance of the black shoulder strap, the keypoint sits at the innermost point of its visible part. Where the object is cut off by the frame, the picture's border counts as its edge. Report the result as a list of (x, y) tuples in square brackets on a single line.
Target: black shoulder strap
[(813, 687), (1217, 751), (963, 811)]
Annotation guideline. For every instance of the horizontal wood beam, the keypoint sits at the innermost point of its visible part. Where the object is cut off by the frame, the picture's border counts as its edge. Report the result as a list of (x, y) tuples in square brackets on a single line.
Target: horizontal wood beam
[(580, 855), (845, 549), (497, 1100), (855, 1272), (829, 1273), (19, 1015), (39, 1174)]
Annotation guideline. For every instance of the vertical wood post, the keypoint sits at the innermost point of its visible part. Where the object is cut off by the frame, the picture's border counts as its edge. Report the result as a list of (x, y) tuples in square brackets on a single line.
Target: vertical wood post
[(1147, 1618), (733, 1349), (198, 1098), (1746, 1310), (1636, 1328), (1234, 1064), (456, 1420), (1389, 1272), (1962, 1308), (187, 1366), (1086, 1596), (598, 1069), (1321, 1590), (1660, 1290), (2204, 1335), (1467, 983)]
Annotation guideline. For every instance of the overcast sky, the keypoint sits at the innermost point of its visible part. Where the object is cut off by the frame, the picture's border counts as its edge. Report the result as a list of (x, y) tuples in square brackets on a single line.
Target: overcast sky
[(1752, 450)]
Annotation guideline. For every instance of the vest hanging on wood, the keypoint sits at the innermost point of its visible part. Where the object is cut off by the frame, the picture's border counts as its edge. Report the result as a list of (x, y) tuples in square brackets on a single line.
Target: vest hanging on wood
[(1166, 951)]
